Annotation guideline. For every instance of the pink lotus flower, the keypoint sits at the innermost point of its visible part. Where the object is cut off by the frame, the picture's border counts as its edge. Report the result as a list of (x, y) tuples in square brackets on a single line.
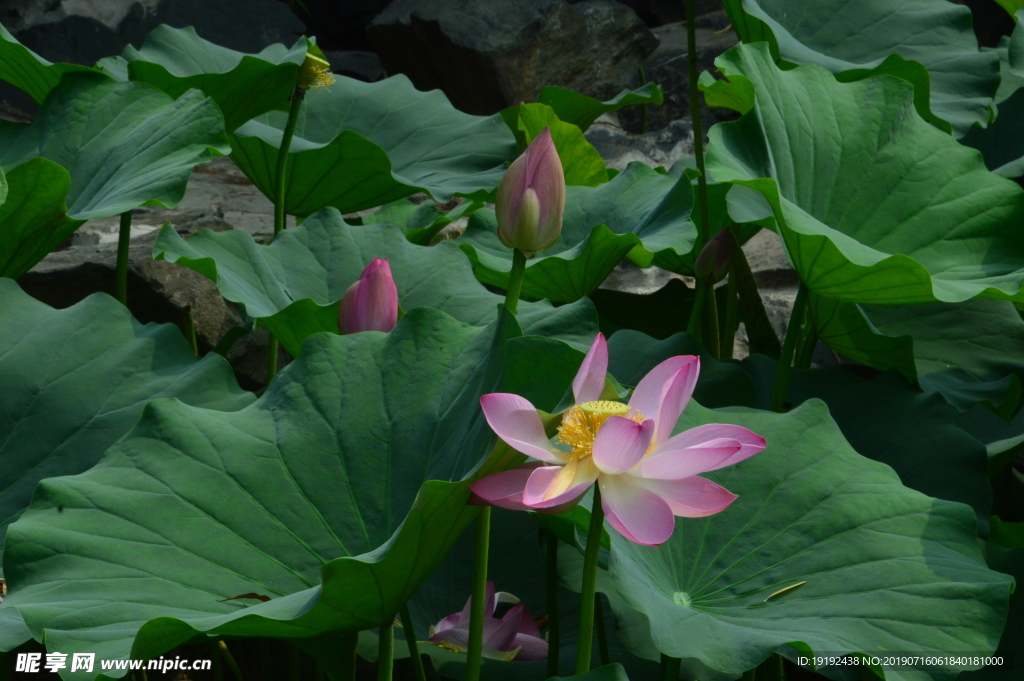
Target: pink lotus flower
[(531, 198), (514, 636), (645, 476), (370, 304)]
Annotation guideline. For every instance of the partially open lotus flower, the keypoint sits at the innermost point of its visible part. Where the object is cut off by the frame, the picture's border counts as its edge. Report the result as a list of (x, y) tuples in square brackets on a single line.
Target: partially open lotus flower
[(514, 636), (531, 198), (646, 477), (371, 303)]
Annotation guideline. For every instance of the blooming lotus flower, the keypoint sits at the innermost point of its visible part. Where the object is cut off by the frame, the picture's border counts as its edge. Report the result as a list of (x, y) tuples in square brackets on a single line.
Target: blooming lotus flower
[(645, 476), (370, 304), (531, 198), (514, 636)]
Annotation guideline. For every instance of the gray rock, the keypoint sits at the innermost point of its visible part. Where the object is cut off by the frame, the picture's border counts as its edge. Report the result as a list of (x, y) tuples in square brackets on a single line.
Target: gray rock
[(659, 12), (489, 54), (619, 148), (85, 31), (362, 65)]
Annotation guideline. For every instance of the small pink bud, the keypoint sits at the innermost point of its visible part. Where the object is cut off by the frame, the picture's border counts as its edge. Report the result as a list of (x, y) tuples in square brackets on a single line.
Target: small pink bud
[(713, 262), (370, 304), (531, 198)]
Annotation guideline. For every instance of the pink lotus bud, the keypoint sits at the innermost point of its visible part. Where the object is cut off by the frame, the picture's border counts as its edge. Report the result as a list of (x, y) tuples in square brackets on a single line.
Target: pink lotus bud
[(531, 198), (370, 304), (713, 262)]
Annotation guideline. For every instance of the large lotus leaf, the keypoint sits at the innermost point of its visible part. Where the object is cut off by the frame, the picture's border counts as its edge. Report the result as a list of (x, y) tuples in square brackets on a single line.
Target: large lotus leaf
[(879, 566), (34, 219), (854, 39), (968, 352), (294, 285), (874, 205), (73, 381), (1002, 142), (26, 70), (125, 144), (335, 494), (641, 214), (1010, 561), (243, 85), (359, 145)]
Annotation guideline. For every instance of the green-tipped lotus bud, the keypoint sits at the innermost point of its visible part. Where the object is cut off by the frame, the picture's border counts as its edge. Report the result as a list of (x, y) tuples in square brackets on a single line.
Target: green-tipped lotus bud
[(531, 198), (314, 72), (713, 262)]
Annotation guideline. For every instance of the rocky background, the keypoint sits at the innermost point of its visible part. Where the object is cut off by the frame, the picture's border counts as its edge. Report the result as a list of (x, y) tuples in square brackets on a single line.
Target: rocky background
[(484, 54)]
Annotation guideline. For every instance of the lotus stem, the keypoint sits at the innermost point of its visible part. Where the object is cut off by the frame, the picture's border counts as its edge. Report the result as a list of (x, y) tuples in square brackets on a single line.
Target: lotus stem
[(229, 339), (670, 667), (589, 586), (282, 161), (732, 305), (750, 674), (349, 642), (124, 238), (808, 342), (551, 573), (216, 663), (515, 280), (410, 639), (474, 655), (272, 351), (190, 330), (796, 320), (711, 330), (386, 651), (694, 325), (229, 660), (710, 337), (602, 634), (643, 107)]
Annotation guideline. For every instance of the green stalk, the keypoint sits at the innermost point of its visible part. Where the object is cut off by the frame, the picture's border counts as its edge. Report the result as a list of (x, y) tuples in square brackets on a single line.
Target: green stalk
[(551, 573), (515, 280), (475, 653), (216, 663), (349, 642), (694, 324), (190, 330), (282, 161), (589, 586), (750, 674), (704, 228), (670, 667), (410, 639), (796, 321), (602, 634), (732, 306), (772, 668), (711, 331), (643, 107), (229, 660), (386, 652), (124, 238), (279, 195), (808, 342)]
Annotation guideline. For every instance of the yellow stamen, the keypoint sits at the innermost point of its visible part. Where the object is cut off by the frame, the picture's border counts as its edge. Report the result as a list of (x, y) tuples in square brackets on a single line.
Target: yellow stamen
[(314, 72), (580, 426), (444, 645)]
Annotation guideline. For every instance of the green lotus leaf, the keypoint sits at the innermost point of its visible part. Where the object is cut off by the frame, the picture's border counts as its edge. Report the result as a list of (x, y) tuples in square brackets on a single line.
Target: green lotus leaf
[(968, 352), (1002, 142), (74, 381), (359, 145), (874, 205), (294, 285), (823, 550), (34, 219), (421, 222), (244, 86), (1011, 562), (125, 145), (932, 45), (335, 495), (582, 111), (640, 214), (27, 71)]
